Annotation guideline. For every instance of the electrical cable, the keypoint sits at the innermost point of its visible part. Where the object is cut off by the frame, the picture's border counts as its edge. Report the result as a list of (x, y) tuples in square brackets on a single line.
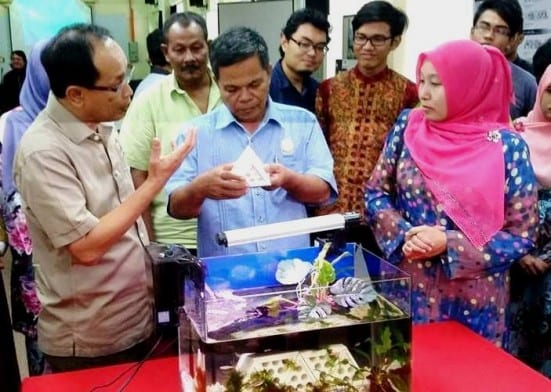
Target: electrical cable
[(134, 368)]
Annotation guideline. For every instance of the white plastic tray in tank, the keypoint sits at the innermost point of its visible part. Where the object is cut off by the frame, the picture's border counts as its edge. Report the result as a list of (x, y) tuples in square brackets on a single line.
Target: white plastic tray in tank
[(298, 368)]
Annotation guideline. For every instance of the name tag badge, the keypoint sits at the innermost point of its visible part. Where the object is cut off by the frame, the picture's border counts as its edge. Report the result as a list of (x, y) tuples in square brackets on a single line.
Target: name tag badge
[(287, 146)]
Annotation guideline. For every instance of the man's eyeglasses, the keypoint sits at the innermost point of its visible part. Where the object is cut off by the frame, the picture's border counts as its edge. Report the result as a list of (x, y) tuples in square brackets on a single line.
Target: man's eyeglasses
[(375, 40), (485, 28), (305, 46), (117, 89)]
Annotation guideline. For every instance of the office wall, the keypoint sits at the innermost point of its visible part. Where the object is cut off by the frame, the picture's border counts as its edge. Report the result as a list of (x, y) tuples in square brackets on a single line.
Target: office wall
[(112, 14), (32, 20), (239, 14), (24, 22), (115, 15), (5, 41), (211, 14), (431, 22)]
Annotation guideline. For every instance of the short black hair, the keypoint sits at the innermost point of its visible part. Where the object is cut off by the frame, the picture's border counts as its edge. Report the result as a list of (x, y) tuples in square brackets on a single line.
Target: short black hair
[(541, 59), (21, 54), (68, 56), (508, 10), (184, 19), (154, 41), (235, 45), (303, 16), (381, 11)]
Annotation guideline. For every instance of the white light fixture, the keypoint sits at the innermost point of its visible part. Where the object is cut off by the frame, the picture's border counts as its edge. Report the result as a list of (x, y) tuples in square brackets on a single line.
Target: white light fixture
[(285, 229)]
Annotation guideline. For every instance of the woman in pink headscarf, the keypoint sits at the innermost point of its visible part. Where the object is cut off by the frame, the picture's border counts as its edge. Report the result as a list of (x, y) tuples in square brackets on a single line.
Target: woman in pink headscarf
[(452, 199), (530, 307)]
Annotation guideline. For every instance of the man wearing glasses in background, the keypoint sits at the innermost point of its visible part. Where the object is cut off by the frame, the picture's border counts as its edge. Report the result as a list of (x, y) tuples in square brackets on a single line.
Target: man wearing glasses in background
[(356, 108), (303, 46), (499, 23), (94, 281)]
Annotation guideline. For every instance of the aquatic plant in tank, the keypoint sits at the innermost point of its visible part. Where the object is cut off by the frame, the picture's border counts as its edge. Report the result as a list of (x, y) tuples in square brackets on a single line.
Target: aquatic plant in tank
[(312, 319)]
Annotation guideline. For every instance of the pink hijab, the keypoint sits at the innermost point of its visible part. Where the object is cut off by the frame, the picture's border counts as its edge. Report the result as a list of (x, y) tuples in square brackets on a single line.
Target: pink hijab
[(537, 133), (461, 157)]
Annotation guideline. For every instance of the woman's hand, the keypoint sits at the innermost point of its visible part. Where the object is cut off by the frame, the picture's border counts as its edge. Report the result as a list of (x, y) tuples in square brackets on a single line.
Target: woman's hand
[(533, 265), (424, 242)]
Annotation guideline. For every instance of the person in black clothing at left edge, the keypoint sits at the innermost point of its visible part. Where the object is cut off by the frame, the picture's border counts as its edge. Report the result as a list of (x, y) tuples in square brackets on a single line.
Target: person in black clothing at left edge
[(13, 81), (9, 370)]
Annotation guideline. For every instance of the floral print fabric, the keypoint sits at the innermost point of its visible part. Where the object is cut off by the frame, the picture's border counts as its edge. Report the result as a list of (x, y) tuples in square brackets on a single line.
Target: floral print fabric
[(355, 112), (529, 312), (24, 299)]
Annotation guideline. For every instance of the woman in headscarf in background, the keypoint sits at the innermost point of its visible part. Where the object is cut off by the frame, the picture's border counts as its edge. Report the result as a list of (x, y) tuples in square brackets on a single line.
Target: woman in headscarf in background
[(530, 308), (24, 300), (452, 200), (12, 82)]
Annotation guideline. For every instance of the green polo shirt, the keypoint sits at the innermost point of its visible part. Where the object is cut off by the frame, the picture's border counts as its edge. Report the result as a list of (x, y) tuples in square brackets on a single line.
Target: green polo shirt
[(160, 111)]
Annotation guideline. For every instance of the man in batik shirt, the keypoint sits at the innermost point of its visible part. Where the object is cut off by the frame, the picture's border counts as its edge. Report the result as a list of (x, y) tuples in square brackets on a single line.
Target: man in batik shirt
[(356, 108)]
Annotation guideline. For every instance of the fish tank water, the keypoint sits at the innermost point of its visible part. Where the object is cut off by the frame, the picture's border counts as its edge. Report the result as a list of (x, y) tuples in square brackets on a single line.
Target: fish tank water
[(313, 319)]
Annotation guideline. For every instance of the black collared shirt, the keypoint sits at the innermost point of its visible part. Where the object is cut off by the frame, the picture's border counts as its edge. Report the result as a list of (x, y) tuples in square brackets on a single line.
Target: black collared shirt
[(282, 91)]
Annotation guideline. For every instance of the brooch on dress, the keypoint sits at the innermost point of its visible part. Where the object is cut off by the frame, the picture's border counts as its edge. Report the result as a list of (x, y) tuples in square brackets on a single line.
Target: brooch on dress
[(518, 125), (494, 136)]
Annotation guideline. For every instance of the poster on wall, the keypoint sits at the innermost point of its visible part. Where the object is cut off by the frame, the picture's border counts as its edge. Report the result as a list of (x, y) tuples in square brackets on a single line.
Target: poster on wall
[(33, 20), (537, 26)]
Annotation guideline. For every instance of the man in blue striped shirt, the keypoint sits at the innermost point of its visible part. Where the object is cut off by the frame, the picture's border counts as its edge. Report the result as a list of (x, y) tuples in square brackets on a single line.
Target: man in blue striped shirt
[(287, 139)]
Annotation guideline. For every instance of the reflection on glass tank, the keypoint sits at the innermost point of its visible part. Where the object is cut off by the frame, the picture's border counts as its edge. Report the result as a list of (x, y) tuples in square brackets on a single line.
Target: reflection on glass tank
[(301, 320)]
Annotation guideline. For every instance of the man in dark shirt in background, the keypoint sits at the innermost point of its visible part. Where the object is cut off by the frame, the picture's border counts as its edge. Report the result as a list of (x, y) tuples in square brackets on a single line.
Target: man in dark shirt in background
[(159, 66), (303, 46), (499, 23), (541, 59)]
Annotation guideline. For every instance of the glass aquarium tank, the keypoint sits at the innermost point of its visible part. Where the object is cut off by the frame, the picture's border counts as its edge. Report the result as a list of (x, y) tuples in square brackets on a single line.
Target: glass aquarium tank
[(313, 319)]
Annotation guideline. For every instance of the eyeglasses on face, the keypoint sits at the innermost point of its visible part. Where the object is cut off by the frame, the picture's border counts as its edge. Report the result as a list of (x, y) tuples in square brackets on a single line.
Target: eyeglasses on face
[(375, 40), (484, 27), (305, 46), (117, 89)]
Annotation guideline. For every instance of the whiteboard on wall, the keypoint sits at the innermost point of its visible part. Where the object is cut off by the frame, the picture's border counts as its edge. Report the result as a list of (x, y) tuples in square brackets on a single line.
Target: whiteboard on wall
[(266, 17), (117, 24)]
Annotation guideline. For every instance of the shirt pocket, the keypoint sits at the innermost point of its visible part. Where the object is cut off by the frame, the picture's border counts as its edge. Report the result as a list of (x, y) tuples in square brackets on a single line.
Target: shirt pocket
[(291, 162)]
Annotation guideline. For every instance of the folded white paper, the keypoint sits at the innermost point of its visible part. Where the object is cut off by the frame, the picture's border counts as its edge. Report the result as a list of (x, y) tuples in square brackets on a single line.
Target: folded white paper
[(251, 167)]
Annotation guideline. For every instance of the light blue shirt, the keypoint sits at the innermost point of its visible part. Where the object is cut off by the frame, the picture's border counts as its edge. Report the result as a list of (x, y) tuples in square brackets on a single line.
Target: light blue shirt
[(288, 135)]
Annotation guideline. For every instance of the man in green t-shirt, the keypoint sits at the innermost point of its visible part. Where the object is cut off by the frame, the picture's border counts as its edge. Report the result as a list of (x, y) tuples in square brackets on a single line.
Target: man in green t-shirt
[(160, 111)]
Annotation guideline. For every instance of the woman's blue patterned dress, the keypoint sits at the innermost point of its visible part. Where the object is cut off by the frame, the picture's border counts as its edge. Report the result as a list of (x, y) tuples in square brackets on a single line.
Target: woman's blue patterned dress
[(465, 283)]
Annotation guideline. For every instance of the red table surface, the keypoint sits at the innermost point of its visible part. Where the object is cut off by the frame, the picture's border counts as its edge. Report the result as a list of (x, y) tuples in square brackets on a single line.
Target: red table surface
[(446, 357)]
